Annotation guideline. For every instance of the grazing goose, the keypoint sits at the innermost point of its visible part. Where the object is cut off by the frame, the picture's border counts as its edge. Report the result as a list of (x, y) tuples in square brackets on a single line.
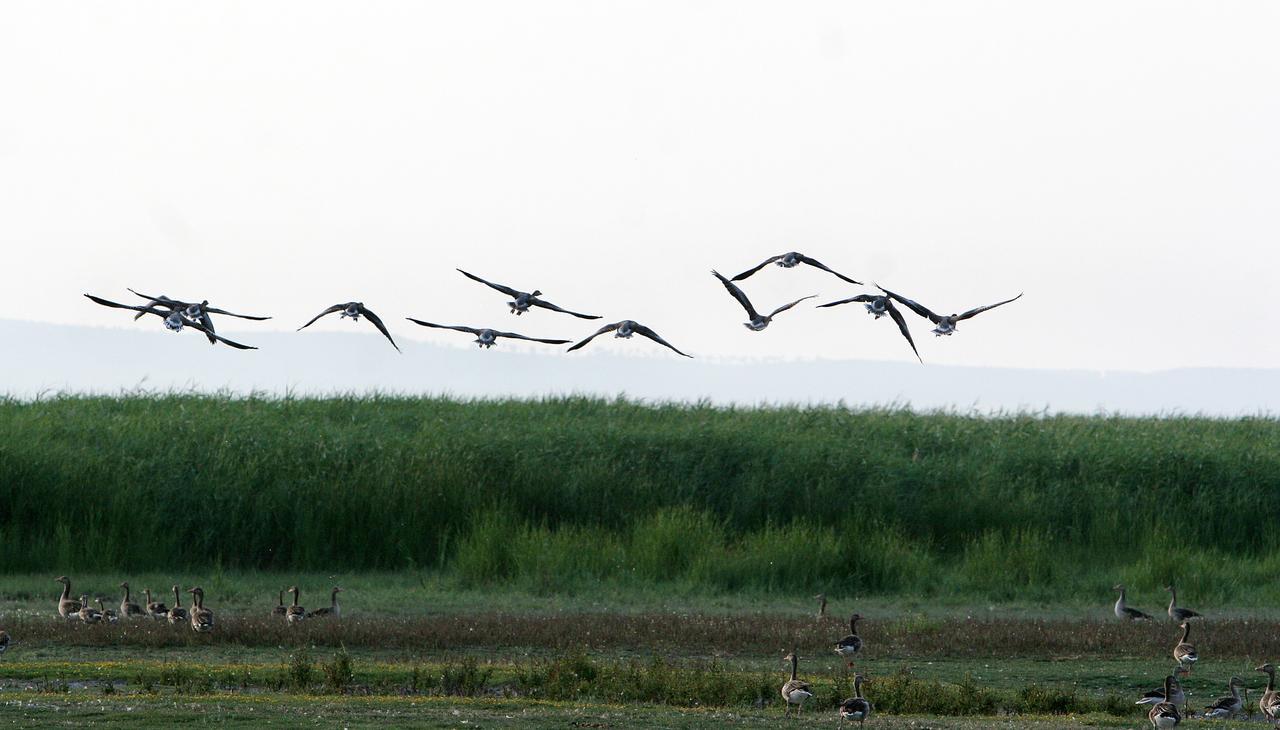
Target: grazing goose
[(295, 613), (791, 260), (4, 641), (332, 610), (354, 310), (87, 613), (945, 325), (1231, 705), (795, 691), (1124, 611), (155, 609), (879, 306), (201, 617), (129, 609), (521, 301), (822, 604), (178, 614), (758, 321), (851, 644), (1179, 697), (625, 329), (108, 615), (1269, 703), (856, 707), (198, 311), (1165, 714), (1176, 613), (1184, 653), (68, 607), (280, 609), (173, 320), (486, 338)]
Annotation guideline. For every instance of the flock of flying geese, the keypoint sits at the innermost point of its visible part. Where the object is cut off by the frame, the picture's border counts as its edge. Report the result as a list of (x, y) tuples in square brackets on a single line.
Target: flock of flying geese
[(178, 314)]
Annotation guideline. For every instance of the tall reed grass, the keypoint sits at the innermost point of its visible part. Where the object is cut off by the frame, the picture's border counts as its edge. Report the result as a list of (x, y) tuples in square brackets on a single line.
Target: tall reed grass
[(555, 493)]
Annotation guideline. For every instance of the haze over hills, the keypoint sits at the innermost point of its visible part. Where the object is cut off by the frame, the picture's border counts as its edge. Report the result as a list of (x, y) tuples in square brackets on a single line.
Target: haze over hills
[(48, 358)]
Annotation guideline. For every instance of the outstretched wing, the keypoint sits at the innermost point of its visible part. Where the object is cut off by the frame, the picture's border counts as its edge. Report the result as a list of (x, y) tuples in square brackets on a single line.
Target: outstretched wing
[(381, 327), (536, 302), (756, 268), (330, 310), (737, 294), (207, 321), (916, 307), (602, 330), (642, 330), (515, 336), (225, 313), (980, 310), (212, 336), (785, 307), (148, 309), (902, 327), (504, 289), (818, 264), (459, 328), (859, 298)]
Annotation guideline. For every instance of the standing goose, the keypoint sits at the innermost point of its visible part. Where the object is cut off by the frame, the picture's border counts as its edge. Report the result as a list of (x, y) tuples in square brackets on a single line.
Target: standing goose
[(295, 613), (1158, 695), (280, 608), (155, 609), (1165, 714), (201, 617), (354, 310), (1231, 705), (945, 325), (129, 609), (879, 306), (108, 614), (332, 610), (178, 614), (856, 707), (790, 260), (485, 337), (521, 301), (795, 691), (198, 311), (850, 645), (68, 607), (758, 321), (1175, 612), (625, 329), (87, 613), (174, 320), (1185, 653), (1269, 703), (1124, 611)]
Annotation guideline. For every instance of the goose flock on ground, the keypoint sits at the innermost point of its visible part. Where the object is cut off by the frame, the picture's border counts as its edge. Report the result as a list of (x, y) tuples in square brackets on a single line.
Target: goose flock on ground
[(178, 314)]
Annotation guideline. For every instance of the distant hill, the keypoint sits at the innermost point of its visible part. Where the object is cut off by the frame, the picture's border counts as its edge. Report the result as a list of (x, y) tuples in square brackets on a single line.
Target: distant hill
[(47, 358)]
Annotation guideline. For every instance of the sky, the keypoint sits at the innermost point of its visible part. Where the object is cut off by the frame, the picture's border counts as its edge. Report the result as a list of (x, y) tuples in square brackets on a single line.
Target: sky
[(1116, 161)]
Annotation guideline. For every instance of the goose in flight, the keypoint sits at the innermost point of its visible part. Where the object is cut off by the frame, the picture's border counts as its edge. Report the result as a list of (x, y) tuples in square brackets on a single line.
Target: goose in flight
[(879, 305), (945, 325), (625, 329), (758, 321), (199, 311), (521, 301), (174, 320), (486, 337), (354, 310), (790, 260)]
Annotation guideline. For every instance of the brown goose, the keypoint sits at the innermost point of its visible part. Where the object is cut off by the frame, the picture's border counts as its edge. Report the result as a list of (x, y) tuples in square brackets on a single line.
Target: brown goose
[(850, 645), (332, 610), (196, 311), (87, 613), (758, 321), (354, 310), (279, 609), (129, 609), (201, 617), (795, 691), (1269, 703), (178, 614), (1185, 653), (1124, 611), (174, 320), (625, 329), (68, 607), (1231, 705), (1158, 695), (879, 306), (155, 609), (1176, 612), (944, 324), (521, 301), (856, 707), (485, 337), (108, 615), (295, 613), (1165, 714), (790, 260)]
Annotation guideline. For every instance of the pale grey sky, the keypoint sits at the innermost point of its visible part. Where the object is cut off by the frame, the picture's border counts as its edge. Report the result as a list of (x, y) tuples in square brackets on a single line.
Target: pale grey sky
[(1117, 161)]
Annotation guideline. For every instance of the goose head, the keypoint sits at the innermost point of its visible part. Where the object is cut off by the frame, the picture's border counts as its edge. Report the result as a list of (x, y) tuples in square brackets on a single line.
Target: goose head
[(63, 580), (1267, 668)]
